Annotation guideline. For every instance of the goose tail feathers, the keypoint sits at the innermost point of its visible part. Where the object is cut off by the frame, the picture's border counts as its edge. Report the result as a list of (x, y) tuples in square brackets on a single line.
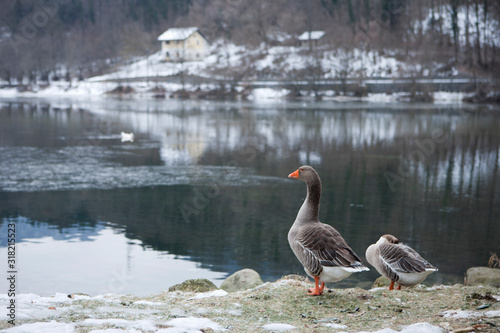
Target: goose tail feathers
[(356, 267)]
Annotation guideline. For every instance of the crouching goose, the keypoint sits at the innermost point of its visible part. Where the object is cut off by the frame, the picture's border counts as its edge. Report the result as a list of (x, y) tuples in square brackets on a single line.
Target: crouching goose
[(398, 262), (320, 248)]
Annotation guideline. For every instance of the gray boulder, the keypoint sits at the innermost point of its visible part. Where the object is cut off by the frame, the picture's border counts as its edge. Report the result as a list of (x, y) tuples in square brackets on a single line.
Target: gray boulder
[(242, 280), (381, 281), (195, 285), (476, 276)]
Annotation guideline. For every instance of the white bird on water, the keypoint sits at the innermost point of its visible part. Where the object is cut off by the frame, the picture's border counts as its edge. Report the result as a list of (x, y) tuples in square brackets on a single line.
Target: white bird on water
[(127, 137)]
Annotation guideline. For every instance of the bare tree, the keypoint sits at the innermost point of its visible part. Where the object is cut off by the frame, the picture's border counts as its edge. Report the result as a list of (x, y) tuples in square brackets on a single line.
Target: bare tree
[(478, 34), (468, 48), (454, 26)]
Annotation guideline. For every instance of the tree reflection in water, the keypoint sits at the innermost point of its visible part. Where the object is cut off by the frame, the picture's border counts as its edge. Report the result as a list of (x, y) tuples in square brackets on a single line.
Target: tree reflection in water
[(427, 174)]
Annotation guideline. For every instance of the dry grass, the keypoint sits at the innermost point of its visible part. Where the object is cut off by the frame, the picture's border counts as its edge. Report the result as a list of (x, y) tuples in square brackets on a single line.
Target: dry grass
[(285, 301)]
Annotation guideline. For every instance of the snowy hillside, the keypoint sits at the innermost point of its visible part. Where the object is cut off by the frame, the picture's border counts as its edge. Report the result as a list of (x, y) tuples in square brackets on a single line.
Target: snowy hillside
[(232, 67), (277, 62), (250, 41), (263, 72), (466, 23)]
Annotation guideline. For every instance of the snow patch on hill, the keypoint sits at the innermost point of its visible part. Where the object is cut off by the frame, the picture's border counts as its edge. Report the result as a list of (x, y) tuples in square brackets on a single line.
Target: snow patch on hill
[(230, 67)]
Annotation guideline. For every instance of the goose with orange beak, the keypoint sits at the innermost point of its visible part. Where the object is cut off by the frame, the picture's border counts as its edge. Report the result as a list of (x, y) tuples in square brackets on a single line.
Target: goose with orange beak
[(320, 248)]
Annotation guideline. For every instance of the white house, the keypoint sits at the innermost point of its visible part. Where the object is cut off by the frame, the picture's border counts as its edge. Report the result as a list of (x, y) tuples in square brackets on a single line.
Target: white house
[(311, 38), (183, 44)]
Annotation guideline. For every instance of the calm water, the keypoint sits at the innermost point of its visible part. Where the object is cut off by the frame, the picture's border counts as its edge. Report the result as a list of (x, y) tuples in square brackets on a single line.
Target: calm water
[(203, 189)]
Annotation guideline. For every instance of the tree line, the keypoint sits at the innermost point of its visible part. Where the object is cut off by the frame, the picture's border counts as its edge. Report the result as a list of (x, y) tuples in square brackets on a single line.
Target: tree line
[(67, 39)]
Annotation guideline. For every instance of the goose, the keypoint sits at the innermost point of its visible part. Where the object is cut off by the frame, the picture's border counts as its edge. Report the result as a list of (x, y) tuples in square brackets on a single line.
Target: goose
[(320, 248), (398, 262)]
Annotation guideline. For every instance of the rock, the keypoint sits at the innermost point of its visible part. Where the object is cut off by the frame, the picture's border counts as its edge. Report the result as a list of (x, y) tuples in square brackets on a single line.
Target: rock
[(476, 276), (242, 280), (296, 277), (195, 285), (364, 285), (382, 281)]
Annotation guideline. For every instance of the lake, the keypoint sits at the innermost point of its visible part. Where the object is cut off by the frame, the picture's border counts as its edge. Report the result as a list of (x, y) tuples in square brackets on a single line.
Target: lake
[(202, 191)]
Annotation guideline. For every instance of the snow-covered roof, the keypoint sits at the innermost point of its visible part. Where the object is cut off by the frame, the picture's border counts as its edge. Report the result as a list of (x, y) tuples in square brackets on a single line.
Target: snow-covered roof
[(177, 33), (311, 35)]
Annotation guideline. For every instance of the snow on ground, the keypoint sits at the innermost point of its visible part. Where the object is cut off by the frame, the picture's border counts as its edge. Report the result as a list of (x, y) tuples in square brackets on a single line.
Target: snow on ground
[(278, 327), (226, 60), (469, 314), (267, 94), (191, 324), (63, 89), (276, 60), (222, 55), (415, 328), (50, 327), (251, 309), (117, 313), (106, 313), (335, 326), (447, 97), (215, 293)]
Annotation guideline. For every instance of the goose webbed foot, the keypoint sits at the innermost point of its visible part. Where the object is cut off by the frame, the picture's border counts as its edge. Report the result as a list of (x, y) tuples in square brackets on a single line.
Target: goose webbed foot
[(391, 286), (317, 290)]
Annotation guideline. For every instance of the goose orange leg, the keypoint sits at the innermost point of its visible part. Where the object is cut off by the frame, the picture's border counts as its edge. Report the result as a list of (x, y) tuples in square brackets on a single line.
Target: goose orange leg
[(398, 287), (391, 286), (317, 291)]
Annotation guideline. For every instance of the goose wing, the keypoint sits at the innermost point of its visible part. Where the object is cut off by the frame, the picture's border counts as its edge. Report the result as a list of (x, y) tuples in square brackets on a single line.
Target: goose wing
[(322, 245), (399, 258)]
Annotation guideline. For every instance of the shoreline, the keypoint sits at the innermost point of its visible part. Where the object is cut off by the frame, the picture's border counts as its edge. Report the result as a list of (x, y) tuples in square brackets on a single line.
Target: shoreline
[(257, 95), (166, 90), (272, 306)]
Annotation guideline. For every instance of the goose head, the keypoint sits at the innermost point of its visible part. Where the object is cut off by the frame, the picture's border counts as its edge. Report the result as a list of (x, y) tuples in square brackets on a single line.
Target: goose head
[(390, 239), (305, 173), (387, 239)]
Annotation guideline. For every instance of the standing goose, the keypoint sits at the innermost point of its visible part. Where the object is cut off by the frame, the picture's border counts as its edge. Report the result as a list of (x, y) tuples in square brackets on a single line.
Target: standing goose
[(320, 248), (398, 262)]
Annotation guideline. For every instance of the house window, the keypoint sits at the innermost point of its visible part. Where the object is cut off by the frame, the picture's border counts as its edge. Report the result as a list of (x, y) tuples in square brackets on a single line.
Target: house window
[(167, 54)]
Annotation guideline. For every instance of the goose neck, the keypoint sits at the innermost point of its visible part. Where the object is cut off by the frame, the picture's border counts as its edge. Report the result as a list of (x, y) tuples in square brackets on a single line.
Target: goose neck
[(314, 192), (309, 212)]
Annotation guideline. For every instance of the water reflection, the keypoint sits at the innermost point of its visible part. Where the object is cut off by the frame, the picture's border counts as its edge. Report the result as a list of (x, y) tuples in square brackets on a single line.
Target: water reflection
[(95, 260), (207, 181)]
